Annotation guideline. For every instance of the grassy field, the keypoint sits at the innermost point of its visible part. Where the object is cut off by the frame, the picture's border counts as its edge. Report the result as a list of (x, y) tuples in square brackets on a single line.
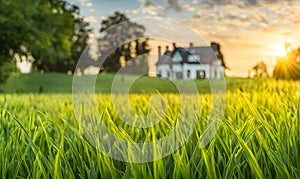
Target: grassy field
[(259, 136), (61, 83)]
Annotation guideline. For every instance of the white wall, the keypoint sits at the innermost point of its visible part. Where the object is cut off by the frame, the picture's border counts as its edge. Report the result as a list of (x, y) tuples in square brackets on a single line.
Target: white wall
[(194, 68), (166, 72), (163, 70), (217, 70), (211, 71)]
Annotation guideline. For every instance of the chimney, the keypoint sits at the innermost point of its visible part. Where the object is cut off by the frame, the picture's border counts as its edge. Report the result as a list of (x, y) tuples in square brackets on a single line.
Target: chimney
[(191, 45), (167, 48), (214, 46), (174, 46), (159, 52)]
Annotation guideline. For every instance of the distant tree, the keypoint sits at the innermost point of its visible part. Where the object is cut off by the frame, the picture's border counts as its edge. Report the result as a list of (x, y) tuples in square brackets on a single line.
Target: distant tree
[(217, 47), (288, 67), (144, 49), (127, 31), (79, 40), (261, 70)]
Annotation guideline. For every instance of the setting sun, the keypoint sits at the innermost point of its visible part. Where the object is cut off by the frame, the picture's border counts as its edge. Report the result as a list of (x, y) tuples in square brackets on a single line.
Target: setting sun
[(278, 51)]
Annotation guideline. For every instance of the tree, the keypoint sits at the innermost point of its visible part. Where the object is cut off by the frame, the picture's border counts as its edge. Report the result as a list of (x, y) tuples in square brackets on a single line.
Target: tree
[(53, 45), (217, 48), (288, 67), (66, 37), (14, 32), (261, 70), (6, 67), (112, 46), (80, 38), (43, 29)]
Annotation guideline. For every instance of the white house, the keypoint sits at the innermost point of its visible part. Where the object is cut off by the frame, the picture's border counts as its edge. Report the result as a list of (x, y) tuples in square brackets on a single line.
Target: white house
[(189, 63)]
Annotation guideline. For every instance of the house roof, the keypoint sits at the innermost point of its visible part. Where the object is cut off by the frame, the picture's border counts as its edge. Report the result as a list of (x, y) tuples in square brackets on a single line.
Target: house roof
[(206, 54), (166, 58)]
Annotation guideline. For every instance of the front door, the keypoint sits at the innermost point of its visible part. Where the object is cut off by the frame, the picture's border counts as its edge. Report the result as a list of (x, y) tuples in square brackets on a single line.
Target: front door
[(201, 74)]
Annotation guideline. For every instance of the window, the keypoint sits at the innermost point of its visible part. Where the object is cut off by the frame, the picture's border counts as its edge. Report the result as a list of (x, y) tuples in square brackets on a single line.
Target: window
[(179, 75), (216, 74), (177, 57), (159, 74), (188, 73), (194, 58)]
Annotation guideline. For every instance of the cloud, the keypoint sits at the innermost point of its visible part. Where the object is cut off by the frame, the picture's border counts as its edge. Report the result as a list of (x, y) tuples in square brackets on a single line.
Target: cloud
[(251, 45), (285, 13), (188, 7), (161, 5), (90, 19), (89, 4), (195, 1), (242, 3), (150, 5), (174, 4), (286, 33), (252, 2), (134, 11), (86, 3)]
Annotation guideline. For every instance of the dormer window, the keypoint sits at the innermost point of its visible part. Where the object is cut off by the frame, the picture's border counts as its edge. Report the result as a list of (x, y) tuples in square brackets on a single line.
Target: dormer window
[(192, 51), (177, 57), (194, 58)]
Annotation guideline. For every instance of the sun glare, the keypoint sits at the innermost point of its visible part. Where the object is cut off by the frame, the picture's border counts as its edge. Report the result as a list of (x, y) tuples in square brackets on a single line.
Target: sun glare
[(279, 51)]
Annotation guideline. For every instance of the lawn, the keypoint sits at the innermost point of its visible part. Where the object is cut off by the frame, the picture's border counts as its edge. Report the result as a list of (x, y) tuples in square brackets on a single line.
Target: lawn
[(61, 83), (40, 137)]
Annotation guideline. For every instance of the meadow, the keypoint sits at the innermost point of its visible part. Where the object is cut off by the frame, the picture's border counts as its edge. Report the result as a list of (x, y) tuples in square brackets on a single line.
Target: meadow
[(40, 136), (61, 83)]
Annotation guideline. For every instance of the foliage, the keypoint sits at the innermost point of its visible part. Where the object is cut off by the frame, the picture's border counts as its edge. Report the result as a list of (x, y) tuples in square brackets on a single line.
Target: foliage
[(288, 67), (6, 67), (260, 69), (217, 47), (43, 29), (40, 137), (127, 41), (79, 40)]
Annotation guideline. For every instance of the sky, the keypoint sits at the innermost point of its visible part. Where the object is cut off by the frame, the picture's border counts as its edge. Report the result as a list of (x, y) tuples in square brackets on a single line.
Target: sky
[(249, 31)]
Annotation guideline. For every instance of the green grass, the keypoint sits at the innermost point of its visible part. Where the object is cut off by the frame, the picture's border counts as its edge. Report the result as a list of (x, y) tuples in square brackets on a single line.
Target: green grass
[(62, 83), (259, 137)]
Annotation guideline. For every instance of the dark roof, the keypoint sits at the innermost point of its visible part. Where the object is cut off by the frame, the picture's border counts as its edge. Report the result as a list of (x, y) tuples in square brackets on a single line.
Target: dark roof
[(206, 54), (166, 58)]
